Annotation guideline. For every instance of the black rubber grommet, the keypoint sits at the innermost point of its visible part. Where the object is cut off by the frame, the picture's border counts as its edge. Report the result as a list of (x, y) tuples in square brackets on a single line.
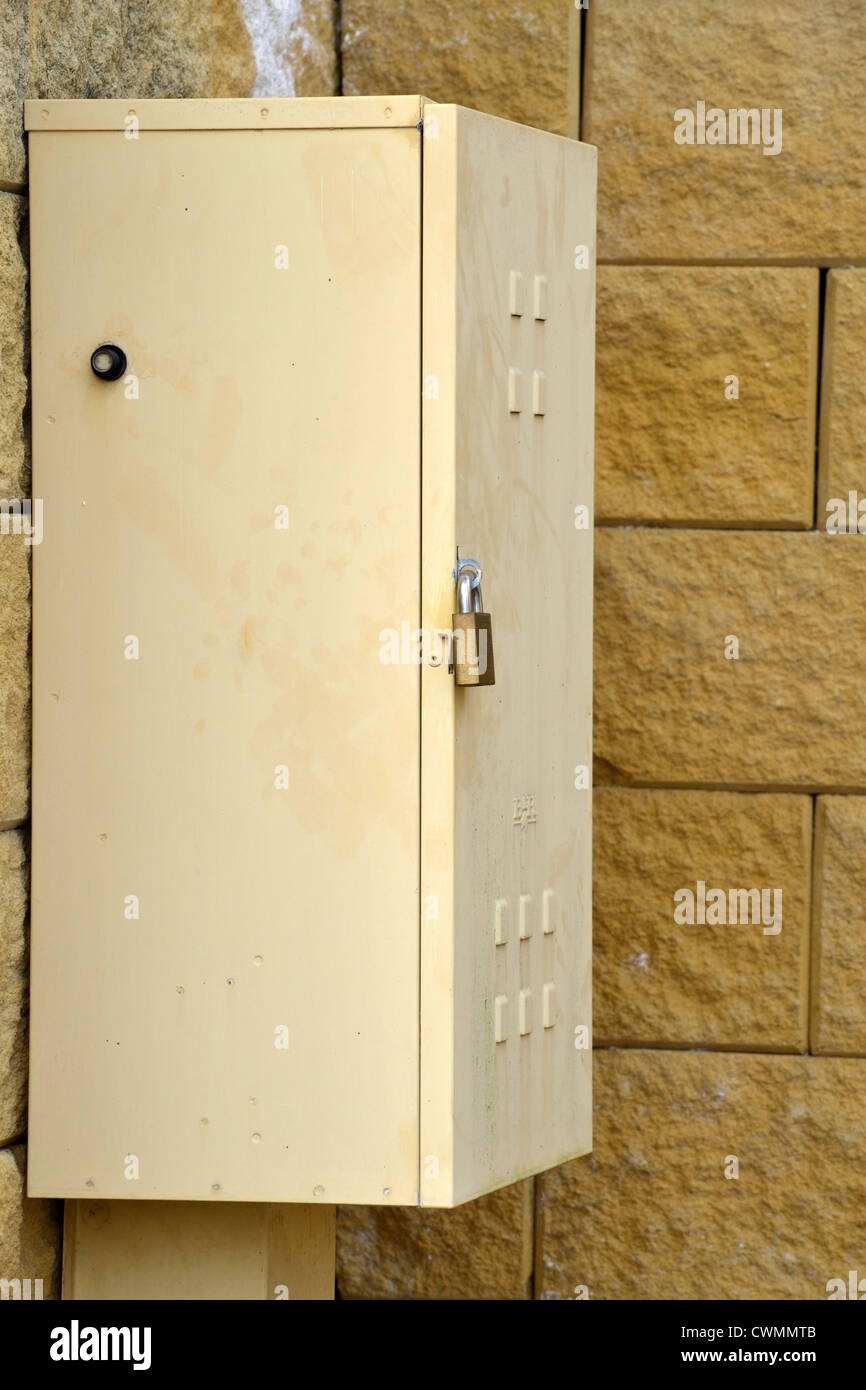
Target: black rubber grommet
[(108, 362)]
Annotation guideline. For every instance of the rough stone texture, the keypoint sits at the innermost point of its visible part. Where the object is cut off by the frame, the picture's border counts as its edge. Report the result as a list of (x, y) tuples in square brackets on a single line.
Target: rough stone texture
[(664, 984), (14, 678), (30, 1228), (671, 710), (651, 1215), (669, 446), (839, 926), (13, 985), (295, 46), (192, 49), (139, 48), (659, 200), (14, 79), (76, 48), (13, 330), (843, 395), (482, 1250), (509, 60)]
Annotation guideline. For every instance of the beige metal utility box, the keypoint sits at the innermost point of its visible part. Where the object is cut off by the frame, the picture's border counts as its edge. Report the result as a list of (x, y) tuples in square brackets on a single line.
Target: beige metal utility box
[(311, 922)]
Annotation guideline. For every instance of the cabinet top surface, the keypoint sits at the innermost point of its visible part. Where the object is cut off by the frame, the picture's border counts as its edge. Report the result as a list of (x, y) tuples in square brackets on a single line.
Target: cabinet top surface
[(234, 113)]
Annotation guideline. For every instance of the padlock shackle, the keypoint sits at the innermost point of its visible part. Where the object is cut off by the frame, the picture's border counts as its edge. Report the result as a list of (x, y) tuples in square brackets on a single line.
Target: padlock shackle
[(464, 591), (469, 586)]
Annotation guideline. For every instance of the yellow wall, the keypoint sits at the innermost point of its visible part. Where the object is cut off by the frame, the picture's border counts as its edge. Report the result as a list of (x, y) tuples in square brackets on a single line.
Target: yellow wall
[(714, 1042)]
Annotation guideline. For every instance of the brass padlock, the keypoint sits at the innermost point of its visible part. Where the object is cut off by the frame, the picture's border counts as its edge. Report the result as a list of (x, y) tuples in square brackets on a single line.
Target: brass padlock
[(472, 635)]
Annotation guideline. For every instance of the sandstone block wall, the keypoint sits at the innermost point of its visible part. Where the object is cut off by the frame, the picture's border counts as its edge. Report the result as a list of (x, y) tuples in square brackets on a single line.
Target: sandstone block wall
[(730, 751), (730, 661)]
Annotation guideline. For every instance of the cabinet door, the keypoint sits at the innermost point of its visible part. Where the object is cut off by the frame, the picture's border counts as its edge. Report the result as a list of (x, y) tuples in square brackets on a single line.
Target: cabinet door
[(508, 350), (226, 815)]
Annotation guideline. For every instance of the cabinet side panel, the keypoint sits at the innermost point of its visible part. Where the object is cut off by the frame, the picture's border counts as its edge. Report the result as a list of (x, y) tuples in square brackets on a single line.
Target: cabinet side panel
[(522, 468), (225, 827)]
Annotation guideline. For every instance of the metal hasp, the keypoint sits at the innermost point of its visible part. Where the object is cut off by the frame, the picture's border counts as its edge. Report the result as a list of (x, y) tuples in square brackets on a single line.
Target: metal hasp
[(472, 634)]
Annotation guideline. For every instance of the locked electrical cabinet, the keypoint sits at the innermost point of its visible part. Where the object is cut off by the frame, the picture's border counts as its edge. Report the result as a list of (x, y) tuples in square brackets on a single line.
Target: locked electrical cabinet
[(312, 430)]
